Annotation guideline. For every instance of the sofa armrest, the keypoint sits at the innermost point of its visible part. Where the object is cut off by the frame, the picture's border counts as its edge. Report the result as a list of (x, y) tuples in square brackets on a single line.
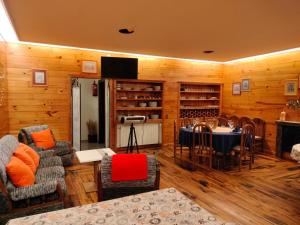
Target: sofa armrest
[(35, 190), (46, 154)]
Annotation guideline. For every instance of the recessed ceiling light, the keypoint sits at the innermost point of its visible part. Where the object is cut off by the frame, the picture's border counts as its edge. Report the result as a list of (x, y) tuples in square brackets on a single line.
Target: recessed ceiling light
[(126, 31), (208, 51)]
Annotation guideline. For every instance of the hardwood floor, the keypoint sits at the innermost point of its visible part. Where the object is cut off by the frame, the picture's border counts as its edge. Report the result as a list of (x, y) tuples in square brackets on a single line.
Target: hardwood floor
[(268, 194)]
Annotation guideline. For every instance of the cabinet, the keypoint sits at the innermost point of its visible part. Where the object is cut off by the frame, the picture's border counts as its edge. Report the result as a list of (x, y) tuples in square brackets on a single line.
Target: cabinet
[(147, 134), (200, 100)]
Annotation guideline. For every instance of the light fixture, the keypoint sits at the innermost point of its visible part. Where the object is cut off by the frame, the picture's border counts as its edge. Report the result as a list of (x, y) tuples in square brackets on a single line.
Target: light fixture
[(7, 30), (208, 51), (126, 31)]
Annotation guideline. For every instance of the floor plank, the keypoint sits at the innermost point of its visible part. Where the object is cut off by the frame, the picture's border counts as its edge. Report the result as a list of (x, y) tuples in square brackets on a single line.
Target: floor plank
[(268, 194)]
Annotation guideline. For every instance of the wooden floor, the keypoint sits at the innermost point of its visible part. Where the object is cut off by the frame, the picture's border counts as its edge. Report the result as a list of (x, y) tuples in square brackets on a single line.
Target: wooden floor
[(268, 194)]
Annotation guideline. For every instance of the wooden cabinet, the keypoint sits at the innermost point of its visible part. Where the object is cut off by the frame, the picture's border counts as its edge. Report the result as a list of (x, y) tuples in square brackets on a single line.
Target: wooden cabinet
[(200, 100), (147, 134), (141, 98)]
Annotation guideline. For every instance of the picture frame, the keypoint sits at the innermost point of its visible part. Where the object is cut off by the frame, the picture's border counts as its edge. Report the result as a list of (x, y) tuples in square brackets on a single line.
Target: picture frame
[(39, 78), (236, 88), (245, 85), (89, 66), (291, 87)]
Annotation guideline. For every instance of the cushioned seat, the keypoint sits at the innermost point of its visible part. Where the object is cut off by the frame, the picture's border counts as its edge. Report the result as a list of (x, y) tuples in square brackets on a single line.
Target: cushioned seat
[(49, 184), (62, 148)]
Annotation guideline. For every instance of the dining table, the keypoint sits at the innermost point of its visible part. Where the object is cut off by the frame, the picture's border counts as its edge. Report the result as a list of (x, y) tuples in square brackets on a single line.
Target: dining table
[(224, 139)]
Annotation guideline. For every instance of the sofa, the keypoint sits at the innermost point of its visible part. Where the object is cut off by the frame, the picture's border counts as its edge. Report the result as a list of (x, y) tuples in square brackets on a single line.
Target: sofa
[(45, 195), (62, 149)]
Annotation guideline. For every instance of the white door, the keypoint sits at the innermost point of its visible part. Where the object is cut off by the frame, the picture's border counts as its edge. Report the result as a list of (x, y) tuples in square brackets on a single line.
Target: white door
[(76, 115)]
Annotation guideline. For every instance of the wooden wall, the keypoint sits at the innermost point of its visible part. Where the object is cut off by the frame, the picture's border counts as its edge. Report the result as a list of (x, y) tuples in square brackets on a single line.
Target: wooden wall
[(266, 98), (51, 105), (3, 90)]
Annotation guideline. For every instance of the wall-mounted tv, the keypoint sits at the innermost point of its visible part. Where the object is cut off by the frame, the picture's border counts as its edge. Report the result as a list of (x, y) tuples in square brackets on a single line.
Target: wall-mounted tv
[(119, 68)]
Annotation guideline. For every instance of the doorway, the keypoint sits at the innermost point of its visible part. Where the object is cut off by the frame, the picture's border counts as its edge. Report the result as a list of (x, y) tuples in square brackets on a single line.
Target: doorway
[(85, 112)]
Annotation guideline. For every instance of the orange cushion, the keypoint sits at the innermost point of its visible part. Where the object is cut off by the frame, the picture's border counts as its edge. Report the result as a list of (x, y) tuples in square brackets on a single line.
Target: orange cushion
[(35, 157), (19, 173), (25, 157), (43, 139)]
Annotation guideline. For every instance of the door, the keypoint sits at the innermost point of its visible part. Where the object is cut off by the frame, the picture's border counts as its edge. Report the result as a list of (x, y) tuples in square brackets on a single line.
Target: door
[(76, 134)]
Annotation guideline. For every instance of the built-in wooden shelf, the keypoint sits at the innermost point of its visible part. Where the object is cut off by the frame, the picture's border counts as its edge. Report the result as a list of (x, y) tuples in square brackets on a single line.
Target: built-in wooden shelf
[(205, 92), (138, 108), (200, 107), (139, 91), (139, 99), (199, 99), (151, 121)]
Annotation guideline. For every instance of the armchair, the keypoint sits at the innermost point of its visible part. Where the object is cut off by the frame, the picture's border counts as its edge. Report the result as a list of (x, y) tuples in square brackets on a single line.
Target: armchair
[(107, 189), (62, 149)]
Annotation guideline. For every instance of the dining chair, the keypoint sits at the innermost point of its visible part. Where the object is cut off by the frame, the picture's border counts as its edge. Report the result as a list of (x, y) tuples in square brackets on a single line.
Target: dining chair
[(247, 146), (222, 122), (186, 121), (259, 133), (243, 121), (202, 149), (177, 147), (235, 120)]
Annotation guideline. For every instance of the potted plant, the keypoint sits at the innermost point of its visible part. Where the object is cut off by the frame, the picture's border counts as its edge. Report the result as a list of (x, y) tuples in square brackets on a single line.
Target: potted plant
[(92, 131)]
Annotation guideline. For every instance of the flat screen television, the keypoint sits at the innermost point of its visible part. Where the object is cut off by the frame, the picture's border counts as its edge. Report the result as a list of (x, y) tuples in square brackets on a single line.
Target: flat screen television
[(119, 68)]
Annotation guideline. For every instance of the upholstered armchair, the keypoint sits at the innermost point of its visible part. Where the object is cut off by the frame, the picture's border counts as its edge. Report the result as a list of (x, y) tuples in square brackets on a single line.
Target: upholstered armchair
[(46, 194), (62, 149), (107, 189)]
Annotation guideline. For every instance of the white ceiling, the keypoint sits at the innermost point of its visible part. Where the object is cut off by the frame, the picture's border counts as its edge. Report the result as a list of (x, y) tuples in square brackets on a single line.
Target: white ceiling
[(174, 28)]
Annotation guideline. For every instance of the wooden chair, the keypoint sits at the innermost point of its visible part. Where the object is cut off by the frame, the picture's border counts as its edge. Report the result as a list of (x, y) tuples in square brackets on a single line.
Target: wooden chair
[(235, 120), (247, 145), (244, 120), (222, 122), (202, 145), (259, 133), (186, 121), (177, 147)]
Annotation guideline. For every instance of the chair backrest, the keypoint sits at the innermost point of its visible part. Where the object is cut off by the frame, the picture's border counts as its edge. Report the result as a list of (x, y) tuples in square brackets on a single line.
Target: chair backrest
[(25, 133), (186, 121), (248, 137), (8, 144), (244, 120), (202, 138), (106, 181), (235, 120), (259, 127), (222, 122)]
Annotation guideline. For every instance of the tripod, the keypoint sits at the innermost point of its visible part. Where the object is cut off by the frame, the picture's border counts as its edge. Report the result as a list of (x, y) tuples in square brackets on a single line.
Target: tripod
[(132, 140)]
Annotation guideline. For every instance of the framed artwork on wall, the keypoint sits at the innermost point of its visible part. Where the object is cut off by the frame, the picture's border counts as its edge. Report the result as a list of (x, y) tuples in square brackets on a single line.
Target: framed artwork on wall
[(245, 85), (89, 66), (39, 78), (236, 88), (291, 87)]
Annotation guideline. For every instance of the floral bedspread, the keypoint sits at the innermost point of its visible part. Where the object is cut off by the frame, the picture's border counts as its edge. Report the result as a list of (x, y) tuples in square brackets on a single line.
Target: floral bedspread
[(165, 207)]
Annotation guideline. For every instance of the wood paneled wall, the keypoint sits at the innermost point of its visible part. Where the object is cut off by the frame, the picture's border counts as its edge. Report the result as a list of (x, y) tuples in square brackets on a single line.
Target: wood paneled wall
[(266, 98), (3, 90), (51, 105)]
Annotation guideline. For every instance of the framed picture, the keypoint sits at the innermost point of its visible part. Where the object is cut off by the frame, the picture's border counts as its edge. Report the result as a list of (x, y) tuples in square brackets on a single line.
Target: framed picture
[(89, 66), (291, 87), (245, 85), (39, 77), (236, 88)]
